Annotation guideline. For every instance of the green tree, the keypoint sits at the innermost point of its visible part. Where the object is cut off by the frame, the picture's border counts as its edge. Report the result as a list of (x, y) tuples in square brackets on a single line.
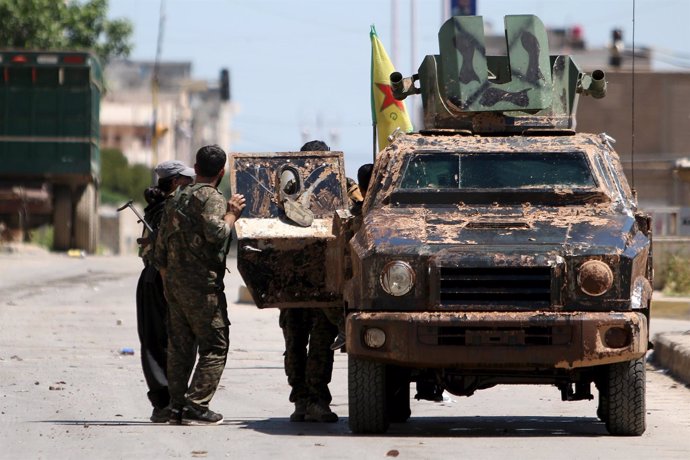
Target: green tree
[(121, 181), (139, 178), (58, 24), (113, 169)]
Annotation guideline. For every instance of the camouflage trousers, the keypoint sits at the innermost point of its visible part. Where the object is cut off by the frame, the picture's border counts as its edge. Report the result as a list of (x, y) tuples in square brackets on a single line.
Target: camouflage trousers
[(196, 319), (308, 356)]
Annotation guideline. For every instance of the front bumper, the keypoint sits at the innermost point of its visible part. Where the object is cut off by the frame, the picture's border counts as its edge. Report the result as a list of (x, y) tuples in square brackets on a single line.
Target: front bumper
[(498, 340)]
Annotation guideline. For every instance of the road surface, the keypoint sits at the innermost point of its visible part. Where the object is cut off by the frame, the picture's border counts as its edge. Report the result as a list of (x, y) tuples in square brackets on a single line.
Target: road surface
[(66, 391)]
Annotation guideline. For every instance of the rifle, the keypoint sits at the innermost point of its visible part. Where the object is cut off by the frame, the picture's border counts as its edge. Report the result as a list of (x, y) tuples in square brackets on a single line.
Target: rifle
[(141, 218)]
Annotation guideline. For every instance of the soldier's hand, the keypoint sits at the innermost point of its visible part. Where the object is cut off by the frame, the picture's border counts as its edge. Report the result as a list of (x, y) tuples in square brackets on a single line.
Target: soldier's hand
[(236, 204)]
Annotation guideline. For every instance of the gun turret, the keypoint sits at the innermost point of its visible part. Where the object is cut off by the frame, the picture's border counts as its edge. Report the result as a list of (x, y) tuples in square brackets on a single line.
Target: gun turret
[(463, 88), (593, 85)]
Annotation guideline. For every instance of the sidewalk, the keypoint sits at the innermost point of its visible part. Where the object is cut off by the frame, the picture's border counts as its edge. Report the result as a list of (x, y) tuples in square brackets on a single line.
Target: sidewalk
[(672, 349)]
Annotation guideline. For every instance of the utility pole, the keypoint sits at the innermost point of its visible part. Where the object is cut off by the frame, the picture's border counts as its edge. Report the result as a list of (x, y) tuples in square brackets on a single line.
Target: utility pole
[(413, 58), (394, 32), (155, 87)]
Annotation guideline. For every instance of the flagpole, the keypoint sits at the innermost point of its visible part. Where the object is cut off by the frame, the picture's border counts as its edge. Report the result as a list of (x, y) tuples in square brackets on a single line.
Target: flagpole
[(373, 143)]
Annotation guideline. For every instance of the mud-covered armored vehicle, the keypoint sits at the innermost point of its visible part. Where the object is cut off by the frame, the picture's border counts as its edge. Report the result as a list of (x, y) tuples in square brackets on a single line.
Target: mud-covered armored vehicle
[(496, 246)]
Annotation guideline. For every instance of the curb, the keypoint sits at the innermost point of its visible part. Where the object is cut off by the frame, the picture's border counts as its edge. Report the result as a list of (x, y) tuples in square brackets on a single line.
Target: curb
[(672, 352), (670, 307)]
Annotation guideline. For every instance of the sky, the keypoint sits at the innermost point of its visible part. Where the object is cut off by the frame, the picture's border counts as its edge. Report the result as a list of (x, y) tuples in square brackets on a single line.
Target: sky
[(300, 69)]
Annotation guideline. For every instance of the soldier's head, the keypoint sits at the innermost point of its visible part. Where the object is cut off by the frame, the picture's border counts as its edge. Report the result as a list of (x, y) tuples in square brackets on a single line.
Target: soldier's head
[(210, 163), (315, 146), (364, 176), (172, 174)]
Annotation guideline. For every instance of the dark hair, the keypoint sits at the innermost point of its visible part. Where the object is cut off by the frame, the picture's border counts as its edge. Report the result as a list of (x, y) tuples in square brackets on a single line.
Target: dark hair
[(315, 146), (166, 184), (210, 159), (364, 176), (154, 195)]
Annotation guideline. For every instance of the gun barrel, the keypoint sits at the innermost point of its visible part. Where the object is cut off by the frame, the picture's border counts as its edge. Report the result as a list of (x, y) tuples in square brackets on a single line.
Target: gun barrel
[(597, 88), (398, 86)]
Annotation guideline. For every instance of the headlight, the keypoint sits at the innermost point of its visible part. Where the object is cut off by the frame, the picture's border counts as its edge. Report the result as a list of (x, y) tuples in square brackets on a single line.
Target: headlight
[(397, 278), (594, 277)]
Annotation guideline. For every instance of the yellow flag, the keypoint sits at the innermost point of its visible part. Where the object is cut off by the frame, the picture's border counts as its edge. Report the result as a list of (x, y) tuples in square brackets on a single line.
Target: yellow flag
[(387, 113)]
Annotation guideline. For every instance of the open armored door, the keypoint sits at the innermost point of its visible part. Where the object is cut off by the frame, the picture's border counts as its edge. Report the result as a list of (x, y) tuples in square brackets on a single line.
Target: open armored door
[(287, 250)]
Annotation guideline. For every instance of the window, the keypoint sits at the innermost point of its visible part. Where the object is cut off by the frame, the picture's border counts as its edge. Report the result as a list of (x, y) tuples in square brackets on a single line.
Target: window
[(537, 170)]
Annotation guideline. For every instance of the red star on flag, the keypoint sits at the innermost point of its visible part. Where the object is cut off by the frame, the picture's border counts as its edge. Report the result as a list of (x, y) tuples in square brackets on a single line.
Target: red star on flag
[(388, 98)]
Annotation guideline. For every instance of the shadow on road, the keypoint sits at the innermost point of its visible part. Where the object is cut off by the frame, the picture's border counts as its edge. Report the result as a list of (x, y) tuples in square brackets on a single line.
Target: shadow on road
[(460, 427), (430, 427), (99, 422)]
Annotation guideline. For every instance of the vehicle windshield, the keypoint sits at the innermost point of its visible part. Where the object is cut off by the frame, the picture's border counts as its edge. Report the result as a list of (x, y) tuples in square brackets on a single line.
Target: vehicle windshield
[(465, 171)]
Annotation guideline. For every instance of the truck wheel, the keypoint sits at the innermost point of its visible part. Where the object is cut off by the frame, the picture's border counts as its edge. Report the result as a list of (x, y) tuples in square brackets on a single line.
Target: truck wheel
[(62, 218), (398, 394), (624, 396), (85, 220), (367, 396)]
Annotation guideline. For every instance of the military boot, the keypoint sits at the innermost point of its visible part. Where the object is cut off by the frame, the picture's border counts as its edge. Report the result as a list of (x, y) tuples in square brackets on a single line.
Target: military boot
[(161, 414), (175, 416), (300, 411), (197, 416), (339, 342), (320, 412)]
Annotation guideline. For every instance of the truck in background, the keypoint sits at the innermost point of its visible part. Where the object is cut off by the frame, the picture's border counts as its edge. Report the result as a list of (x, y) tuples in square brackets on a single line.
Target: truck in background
[(49, 144)]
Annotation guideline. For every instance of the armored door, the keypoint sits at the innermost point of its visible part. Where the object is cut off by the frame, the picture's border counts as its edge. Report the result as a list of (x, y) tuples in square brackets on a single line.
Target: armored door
[(287, 249)]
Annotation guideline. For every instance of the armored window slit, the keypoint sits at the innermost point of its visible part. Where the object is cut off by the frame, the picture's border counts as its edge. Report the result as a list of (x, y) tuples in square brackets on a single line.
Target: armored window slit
[(496, 336)]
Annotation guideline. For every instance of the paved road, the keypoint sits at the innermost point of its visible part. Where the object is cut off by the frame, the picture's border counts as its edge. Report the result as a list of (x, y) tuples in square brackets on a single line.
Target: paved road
[(67, 392)]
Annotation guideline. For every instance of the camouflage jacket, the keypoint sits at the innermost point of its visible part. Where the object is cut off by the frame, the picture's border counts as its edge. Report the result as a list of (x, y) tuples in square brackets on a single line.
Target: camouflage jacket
[(193, 238)]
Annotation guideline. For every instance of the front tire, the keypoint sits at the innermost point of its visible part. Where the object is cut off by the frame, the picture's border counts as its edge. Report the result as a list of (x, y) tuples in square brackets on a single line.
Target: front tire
[(367, 396), (624, 409)]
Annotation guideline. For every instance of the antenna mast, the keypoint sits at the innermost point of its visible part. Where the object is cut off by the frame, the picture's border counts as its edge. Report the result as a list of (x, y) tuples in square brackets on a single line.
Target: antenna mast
[(632, 147)]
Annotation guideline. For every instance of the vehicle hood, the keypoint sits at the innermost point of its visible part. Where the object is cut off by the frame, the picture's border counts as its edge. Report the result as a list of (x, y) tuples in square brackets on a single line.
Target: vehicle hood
[(563, 230)]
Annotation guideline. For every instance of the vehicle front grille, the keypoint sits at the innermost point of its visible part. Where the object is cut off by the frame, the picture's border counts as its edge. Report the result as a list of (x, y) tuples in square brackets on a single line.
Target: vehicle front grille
[(495, 336), (526, 287)]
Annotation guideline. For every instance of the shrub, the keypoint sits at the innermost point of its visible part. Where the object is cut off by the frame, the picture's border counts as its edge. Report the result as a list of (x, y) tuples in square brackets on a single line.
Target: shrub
[(677, 276)]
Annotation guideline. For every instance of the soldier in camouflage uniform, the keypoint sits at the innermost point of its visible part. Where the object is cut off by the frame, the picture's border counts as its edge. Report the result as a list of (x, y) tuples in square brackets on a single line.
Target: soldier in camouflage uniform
[(309, 370), (152, 308), (190, 254)]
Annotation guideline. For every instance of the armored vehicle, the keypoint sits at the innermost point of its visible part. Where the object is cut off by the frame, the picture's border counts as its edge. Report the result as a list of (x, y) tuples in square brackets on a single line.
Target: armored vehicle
[(496, 246)]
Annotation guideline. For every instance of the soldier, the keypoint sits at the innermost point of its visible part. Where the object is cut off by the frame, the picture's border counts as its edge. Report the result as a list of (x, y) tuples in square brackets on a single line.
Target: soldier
[(355, 194), (309, 371), (152, 308), (190, 254)]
